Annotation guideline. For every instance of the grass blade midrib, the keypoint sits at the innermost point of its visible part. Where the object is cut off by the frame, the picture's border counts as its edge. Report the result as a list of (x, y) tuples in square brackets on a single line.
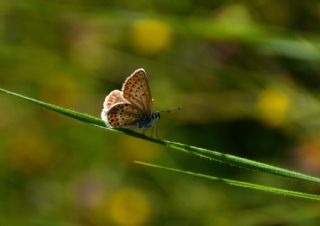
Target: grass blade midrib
[(204, 153)]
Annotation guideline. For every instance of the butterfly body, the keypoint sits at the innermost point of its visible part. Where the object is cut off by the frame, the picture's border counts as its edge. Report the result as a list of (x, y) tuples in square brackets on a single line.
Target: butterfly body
[(148, 122), (130, 107)]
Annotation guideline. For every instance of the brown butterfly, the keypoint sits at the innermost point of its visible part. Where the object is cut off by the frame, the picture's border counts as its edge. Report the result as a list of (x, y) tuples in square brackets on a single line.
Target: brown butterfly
[(130, 107)]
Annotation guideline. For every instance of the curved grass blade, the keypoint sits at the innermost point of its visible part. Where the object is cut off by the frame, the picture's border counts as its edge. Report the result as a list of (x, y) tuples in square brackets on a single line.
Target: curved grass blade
[(202, 152), (241, 162), (236, 183)]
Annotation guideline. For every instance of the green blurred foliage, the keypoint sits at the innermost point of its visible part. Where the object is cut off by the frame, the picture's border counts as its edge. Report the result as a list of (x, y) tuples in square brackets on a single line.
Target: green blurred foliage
[(246, 74)]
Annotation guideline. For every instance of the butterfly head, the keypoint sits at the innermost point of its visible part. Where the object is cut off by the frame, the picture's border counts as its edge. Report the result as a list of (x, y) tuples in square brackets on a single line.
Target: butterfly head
[(155, 116)]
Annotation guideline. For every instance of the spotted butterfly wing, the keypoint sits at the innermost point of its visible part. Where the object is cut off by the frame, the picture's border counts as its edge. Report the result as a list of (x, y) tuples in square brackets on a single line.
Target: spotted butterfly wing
[(123, 115), (136, 90), (116, 96)]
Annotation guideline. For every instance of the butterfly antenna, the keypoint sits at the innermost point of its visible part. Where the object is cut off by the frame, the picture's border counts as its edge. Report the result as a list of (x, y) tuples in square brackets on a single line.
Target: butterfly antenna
[(170, 109)]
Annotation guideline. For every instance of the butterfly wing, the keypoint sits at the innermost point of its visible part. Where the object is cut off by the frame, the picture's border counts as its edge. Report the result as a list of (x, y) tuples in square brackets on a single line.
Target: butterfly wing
[(123, 115), (137, 91), (116, 96)]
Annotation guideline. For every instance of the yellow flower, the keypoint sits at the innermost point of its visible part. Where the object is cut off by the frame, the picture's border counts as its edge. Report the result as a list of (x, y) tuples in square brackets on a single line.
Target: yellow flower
[(129, 207), (150, 36), (273, 106)]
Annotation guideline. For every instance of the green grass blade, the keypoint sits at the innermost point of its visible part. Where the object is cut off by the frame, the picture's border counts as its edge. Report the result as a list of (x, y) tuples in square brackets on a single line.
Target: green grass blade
[(204, 153), (236, 183), (73, 114), (241, 162)]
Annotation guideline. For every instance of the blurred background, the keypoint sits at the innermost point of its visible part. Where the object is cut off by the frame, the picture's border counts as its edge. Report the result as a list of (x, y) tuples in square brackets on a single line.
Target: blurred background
[(246, 74)]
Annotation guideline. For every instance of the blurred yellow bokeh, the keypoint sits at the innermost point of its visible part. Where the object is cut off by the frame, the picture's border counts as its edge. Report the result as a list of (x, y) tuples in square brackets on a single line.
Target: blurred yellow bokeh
[(235, 13), (129, 207), (150, 36), (273, 106)]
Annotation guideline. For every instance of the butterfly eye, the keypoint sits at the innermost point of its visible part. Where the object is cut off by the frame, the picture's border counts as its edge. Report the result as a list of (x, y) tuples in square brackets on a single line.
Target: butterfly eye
[(155, 116)]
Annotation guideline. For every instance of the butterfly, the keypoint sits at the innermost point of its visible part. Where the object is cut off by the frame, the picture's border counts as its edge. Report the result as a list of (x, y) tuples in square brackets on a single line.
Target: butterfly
[(130, 107)]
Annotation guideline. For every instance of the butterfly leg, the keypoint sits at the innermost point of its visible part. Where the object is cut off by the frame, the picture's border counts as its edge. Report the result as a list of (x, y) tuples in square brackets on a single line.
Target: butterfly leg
[(151, 132), (156, 131)]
